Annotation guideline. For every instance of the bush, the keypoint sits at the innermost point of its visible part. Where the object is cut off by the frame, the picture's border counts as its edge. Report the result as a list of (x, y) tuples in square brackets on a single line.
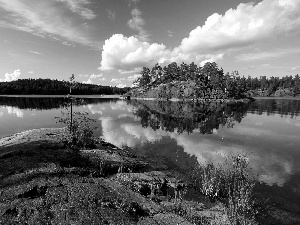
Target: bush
[(231, 185), (80, 133)]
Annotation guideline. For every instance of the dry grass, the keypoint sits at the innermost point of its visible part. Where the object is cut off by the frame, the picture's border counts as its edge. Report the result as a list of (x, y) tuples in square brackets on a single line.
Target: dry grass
[(230, 184)]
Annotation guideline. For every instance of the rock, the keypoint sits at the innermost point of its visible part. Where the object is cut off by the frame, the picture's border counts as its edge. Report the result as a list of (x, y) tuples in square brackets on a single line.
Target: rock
[(164, 219), (73, 200), (112, 161), (154, 183)]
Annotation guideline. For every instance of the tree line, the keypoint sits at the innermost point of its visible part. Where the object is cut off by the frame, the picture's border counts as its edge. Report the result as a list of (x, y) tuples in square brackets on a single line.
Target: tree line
[(210, 77), (55, 87)]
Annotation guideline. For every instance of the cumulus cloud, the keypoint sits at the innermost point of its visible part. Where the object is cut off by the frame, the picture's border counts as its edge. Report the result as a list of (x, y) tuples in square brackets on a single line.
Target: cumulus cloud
[(93, 77), (237, 28), (121, 85), (11, 76), (246, 24), (130, 54), (89, 81)]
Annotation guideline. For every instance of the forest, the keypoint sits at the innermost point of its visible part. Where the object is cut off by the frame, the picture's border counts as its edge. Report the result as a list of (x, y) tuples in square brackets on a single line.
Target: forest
[(55, 87), (212, 81)]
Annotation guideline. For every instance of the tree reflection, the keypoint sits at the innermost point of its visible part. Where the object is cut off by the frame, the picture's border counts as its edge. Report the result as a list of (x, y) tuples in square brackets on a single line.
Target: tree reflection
[(44, 103), (283, 107), (187, 117)]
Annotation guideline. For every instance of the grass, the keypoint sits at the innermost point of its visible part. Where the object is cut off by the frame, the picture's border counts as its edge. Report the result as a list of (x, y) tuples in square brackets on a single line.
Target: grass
[(231, 185)]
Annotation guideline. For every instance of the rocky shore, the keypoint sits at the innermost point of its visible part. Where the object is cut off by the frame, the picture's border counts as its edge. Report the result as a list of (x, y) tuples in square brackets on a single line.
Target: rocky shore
[(42, 182)]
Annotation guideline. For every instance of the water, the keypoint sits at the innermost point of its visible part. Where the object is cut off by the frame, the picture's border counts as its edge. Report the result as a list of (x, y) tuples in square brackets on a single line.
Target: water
[(267, 131)]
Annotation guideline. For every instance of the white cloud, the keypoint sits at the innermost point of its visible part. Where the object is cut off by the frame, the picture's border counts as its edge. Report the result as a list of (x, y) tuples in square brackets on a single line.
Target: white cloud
[(133, 77), (93, 76), (30, 72), (121, 85), (37, 53), (237, 28), (130, 54), (49, 19), (89, 81), (11, 76), (246, 24), (80, 7), (274, 53), (137, 23), (170, 33), (114, 80), (132, 2), (111, 14), (295, 68)]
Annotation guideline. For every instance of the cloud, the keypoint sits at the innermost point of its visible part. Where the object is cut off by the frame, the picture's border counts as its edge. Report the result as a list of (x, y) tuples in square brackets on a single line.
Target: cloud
[(11, 76), (49, 19), (130, 2), (275, 53), (80, 7), (30, 72), (133, 77), (237, 28), (243, 26), (93, 76), (137, 23), (37, 53), (295, 68), (121, 85), (111, 14), (170, 33), (89, 81), (130, 54), (114, 80)]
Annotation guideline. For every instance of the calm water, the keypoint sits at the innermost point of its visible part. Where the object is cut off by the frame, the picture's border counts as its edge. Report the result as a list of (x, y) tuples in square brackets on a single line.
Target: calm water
[(267, 131)]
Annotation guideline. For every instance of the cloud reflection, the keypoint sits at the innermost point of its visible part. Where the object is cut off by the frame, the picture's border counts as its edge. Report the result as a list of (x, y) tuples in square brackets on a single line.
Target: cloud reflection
[(271, 167), (12, 110)]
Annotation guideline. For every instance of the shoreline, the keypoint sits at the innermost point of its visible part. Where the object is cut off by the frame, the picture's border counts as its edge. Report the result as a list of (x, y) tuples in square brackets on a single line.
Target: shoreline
[(133, 189)]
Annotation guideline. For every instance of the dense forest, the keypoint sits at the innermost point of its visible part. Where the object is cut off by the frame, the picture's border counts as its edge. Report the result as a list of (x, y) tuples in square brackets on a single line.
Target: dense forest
[(55, 87), (192, 81)]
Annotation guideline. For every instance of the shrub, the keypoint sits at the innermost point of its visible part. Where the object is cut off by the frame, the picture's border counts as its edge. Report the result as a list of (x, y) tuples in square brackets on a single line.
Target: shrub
[(80, 133), (230, 184)]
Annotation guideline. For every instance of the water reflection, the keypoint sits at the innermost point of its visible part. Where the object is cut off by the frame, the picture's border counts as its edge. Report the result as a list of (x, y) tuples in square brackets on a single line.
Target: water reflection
[(187, 133), (189, 116), (282, 107), (44, 103), (16, 111)]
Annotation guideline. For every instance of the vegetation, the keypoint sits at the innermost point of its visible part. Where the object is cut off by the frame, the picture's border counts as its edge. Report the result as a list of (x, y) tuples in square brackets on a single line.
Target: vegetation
[(230, 184), (55, 87), (192, 82), (80, 129), (80, 133)]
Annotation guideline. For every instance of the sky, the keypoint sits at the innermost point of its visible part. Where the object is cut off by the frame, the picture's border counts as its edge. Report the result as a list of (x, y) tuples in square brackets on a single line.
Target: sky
[(108, 42)]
